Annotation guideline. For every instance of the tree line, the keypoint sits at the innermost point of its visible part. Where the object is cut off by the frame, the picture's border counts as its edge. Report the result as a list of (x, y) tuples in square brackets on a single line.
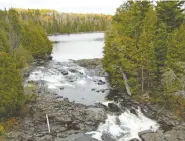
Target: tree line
[(55, 22), (20, 44), (146, 44), (23, 38)]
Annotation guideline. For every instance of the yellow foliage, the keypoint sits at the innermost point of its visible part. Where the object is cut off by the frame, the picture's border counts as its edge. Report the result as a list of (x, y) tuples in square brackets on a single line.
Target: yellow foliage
[(2, 130)]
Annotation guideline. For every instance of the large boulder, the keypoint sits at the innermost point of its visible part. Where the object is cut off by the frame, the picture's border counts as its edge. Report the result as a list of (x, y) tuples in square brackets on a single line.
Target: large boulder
[(95, 115), (108, 137), (113, 107), (149, 136), (134, 139), (176, 134)]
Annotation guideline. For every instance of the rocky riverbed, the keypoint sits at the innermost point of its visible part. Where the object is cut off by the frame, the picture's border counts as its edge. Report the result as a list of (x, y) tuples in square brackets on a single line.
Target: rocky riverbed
[(66, 119), (170, 129), (70, 121)]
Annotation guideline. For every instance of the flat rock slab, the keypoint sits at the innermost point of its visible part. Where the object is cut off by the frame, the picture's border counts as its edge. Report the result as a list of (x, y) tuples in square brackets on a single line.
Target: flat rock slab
[(77, 137), (176, 134)]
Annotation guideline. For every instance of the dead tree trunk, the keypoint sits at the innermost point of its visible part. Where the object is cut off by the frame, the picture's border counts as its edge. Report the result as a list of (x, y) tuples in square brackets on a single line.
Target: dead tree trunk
[(126, 82)]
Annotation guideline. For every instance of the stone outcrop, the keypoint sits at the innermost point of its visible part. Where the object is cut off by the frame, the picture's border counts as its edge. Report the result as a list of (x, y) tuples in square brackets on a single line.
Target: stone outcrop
[(66, 118)]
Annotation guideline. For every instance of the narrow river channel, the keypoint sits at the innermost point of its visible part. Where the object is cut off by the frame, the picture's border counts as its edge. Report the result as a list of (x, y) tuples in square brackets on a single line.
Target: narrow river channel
[(67, 79)]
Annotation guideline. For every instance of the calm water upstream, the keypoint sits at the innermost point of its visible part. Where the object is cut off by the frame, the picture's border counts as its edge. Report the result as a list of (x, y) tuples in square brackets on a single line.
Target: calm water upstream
[(78, 82), (65, 78), (78, 46)]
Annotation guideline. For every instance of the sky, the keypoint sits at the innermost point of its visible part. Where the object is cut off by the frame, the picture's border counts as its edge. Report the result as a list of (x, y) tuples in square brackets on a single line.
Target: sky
[(78, 6)]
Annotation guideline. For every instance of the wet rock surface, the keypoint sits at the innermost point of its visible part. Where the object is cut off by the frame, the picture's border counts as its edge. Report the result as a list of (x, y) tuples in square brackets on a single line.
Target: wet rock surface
[(175, 134), (92, 64), (66, 118), (70, 121), (170, 128)]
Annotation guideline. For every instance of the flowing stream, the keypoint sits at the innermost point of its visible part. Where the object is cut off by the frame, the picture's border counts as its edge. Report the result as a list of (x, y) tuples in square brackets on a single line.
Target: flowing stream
[(67, 79)]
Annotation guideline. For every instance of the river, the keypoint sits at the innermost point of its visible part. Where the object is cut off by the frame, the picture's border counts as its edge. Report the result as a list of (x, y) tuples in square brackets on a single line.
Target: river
[(67, 79)]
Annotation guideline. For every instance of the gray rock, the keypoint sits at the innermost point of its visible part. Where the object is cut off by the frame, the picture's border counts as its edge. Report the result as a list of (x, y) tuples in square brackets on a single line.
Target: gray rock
[(134, 139), (113, 107), (160, 135), (66, 99), (77, 137), (65, 118), (152, 137), (64, 72), (93, 89), (175, 135), (26, 74), (62, 88), (108, 137), (46, 138), (95, 115), (50, 57), (133, 111), (100, 82)]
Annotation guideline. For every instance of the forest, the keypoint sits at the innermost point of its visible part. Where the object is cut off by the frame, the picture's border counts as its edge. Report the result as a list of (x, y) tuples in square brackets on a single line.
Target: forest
[(20, 43), (23, 39), (145, 52), (54, 22)]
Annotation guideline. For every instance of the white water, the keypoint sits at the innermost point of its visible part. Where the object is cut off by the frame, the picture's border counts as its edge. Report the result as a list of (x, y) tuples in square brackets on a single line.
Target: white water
[(77, 86), (82, 46), (125, 126)]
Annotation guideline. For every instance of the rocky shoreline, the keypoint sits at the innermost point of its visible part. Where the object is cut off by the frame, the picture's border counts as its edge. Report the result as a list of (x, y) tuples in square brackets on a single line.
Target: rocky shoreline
[(66, 118), (70, 121), (170, 129)]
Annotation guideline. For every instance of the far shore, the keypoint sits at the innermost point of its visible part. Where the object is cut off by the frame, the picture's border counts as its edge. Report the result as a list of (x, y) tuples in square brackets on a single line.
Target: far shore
[(55, 34)]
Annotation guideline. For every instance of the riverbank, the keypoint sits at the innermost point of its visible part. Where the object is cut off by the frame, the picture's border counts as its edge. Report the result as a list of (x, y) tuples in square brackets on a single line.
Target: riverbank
[(66, 118), (71, 121), (55, 34), (171, 128)]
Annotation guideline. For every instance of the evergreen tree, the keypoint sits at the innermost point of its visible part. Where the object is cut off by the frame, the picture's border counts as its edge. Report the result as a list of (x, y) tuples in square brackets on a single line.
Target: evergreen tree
[(34, 39), (4, 44), (170, 13), (176, 45), (11, 90), (15, 28), (160, 45), (145, 52)]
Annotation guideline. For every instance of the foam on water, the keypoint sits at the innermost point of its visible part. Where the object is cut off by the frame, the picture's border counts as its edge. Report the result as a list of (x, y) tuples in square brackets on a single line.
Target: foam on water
[(125, 126), (81, 82), (106, 103), (121, 127), (52, 77), (69, 80)]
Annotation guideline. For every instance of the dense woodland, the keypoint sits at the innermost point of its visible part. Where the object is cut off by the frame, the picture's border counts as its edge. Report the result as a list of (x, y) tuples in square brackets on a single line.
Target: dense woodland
[(145, 45), (20, 43), (55, 22), (23, 38)]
